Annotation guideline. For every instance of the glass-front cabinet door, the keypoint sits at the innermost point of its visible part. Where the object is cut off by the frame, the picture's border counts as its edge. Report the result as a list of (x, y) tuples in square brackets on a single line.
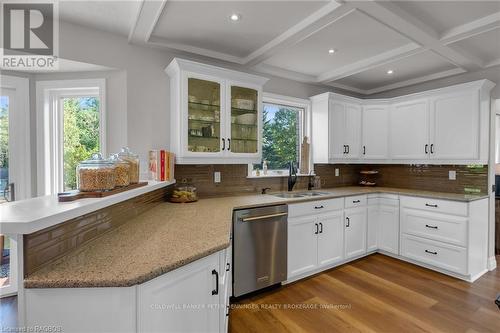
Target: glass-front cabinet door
[(204, 116), (245, 120)]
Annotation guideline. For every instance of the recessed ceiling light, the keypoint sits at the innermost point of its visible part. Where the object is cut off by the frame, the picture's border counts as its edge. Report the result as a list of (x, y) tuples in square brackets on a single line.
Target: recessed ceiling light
[(390, 71), (235, 17), (331, 51)]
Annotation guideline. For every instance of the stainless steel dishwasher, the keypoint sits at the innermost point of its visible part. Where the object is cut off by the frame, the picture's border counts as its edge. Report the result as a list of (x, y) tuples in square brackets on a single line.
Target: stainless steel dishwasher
[(259, 248)]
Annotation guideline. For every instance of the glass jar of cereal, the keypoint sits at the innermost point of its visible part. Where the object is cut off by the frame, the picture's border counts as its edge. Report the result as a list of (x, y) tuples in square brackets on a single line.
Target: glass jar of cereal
[(96, 174)]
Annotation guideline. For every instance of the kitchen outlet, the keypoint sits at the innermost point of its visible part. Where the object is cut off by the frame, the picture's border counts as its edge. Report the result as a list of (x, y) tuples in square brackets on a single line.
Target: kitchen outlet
[(217, 177), (452, 175), (337, 172)]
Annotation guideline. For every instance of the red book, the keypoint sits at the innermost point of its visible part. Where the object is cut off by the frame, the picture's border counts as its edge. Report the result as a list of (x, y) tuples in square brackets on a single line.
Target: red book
[(162, 165)]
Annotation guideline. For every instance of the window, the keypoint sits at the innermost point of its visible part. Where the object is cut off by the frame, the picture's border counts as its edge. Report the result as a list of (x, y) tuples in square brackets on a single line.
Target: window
[(72, 126), (284, 126)]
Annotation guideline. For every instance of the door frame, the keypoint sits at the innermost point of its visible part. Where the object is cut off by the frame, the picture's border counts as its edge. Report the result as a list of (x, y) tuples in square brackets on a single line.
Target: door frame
[(19, 139)]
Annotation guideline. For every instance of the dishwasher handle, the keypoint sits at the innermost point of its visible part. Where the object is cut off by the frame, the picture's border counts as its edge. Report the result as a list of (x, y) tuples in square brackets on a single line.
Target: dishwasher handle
[(262, 217)]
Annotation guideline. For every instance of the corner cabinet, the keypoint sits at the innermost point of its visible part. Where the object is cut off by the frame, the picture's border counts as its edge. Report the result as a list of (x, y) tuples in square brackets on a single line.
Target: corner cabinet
[(215, 114), (443, 126)]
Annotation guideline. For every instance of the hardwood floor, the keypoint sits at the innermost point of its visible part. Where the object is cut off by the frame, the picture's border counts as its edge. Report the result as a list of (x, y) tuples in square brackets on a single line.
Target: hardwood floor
[(374, 294), (8, 313)]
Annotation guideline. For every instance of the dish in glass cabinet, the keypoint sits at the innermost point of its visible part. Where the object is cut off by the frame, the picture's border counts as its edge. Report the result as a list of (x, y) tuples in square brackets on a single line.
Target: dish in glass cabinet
[(246, 119), (241, 103)]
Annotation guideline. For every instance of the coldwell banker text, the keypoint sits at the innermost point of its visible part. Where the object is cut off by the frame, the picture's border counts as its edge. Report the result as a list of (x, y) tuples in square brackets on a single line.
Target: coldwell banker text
[(30, 35)]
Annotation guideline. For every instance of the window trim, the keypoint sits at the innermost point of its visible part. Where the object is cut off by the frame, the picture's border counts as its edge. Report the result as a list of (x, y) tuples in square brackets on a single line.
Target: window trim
[(21, 153), (304, 104), (48, 93)]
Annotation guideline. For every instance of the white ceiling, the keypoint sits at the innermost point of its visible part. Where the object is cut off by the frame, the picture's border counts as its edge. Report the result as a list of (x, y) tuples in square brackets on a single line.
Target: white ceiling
[(419, 40)]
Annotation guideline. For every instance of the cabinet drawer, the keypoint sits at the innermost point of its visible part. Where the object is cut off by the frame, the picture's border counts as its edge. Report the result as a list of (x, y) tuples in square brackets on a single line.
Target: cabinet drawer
[(355, 201), (315, 207), (436, 205), (440, 227), (450, 257)]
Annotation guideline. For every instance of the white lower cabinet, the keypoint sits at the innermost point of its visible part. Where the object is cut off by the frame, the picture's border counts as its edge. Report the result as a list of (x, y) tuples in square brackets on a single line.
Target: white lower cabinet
[(302, 245), (388, 226), (331, 238), (315, 240), (355, 232), (192, 298), (449, 236)]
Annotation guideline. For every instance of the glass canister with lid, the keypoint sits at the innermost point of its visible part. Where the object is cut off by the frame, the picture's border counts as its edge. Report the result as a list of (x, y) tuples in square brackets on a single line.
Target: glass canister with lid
[(96, 174), (122, 170), (133, 160), (184, 192)]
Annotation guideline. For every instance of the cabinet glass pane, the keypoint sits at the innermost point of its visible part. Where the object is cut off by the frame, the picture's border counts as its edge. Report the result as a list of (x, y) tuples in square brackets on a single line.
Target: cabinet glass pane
[(203, 116), (244, 120)]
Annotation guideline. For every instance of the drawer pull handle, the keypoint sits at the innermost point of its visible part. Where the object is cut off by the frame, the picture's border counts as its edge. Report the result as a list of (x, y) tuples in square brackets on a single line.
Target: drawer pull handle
[(216, 290), (356, 201), (431, 226), (433, 206), (431, 252), (348, 222), (319, 207)]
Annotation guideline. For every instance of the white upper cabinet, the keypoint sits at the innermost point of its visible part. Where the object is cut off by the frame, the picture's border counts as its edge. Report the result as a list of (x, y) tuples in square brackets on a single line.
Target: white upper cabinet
[(375, 132), (410, 130), (215, 114), (352, 135), (337, 125), (455, 126), (443, 126), (336, 128)]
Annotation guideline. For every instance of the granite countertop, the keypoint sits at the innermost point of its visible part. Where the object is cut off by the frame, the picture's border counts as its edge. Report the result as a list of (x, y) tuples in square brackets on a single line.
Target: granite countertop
[(172, 235)]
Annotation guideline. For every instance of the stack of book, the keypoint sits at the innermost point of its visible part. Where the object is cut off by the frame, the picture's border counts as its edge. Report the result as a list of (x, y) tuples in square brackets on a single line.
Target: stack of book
[(161, 165)]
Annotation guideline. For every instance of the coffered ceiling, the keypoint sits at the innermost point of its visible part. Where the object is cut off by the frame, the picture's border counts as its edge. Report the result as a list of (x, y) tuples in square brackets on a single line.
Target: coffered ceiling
[(417, 40)]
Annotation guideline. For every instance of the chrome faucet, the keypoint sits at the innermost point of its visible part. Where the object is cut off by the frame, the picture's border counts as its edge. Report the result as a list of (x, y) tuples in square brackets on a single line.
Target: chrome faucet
[(292, 175)]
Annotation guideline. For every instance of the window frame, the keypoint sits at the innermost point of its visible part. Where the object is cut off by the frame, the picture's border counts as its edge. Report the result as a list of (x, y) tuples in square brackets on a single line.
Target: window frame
[(305, 130), (49, 95)]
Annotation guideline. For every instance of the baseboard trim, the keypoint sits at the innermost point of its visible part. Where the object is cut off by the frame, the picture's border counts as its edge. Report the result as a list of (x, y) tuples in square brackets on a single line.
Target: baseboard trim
[(492, 263)]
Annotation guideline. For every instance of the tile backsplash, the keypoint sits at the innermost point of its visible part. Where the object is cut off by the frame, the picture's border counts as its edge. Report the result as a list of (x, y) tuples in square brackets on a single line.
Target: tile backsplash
[(422, 177)]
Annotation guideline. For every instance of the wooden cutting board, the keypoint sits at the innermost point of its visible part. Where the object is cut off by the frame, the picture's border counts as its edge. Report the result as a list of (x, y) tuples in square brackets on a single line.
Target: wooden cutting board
[(76, 194)]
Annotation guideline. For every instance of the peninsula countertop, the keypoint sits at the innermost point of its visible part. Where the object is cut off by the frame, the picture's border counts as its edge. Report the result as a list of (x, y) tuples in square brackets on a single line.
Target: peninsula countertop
[(171, 235)]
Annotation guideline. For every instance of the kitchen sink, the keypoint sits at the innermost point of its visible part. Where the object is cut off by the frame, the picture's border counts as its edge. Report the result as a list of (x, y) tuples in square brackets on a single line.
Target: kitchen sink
[(288, 195), (312, 194), (298, 194)]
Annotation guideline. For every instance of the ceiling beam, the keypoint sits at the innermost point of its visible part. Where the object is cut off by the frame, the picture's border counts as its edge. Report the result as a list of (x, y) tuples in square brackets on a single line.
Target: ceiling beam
[(416, 80), (470, 29), (369, 63), (318, 20), (145, 21), (399, 20)]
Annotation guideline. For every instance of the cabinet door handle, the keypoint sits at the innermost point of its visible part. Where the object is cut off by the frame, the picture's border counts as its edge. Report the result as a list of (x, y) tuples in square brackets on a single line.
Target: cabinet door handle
[(348, 222), (228, 144), (345, 149), (431, 226), (430, 205), (431, 252), (356, 201), (432, 148), (223, 144), (228, 267), (321, 228), (364, 150), (319, 207), (317, 229), (348, 149), (427, 149), (216, 290)]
